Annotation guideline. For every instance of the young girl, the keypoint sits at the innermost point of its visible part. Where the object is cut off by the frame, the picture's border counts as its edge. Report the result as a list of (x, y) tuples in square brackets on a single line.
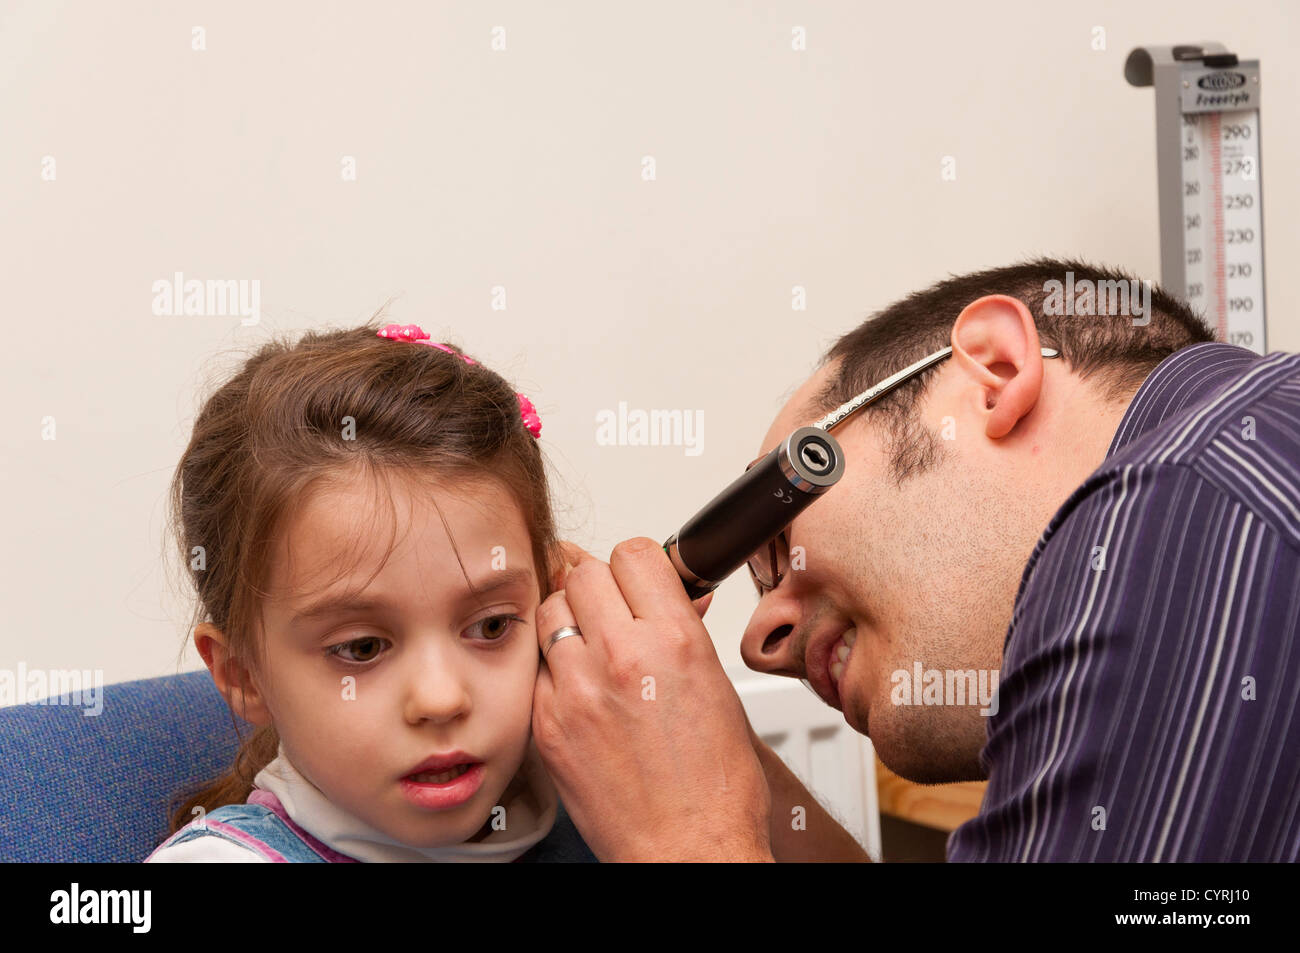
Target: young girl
[(390, 680)]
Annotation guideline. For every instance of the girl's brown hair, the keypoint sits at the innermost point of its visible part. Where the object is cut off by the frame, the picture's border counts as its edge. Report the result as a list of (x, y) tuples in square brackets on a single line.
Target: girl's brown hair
[(331, 404)]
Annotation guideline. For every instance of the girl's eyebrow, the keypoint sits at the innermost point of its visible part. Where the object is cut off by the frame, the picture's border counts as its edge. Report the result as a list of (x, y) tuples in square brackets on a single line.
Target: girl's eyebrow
[(332, 605)]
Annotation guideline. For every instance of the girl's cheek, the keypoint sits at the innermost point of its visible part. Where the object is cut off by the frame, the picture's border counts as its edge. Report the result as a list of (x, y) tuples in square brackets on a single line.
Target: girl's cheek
[(530, 661)]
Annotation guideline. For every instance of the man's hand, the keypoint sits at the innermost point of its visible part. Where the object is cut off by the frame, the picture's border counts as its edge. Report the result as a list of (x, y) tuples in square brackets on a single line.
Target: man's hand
[(637, 722)]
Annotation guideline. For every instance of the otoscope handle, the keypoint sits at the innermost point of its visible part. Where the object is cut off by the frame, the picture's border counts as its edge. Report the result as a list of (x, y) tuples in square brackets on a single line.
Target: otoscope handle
[(762, 501)]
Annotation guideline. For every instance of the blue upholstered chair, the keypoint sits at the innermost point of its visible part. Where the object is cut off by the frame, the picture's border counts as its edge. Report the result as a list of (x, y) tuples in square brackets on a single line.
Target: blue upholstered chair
[(96, 788)]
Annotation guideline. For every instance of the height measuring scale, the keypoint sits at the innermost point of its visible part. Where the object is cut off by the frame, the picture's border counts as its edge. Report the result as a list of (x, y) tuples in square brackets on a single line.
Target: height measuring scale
[(1210, 187)]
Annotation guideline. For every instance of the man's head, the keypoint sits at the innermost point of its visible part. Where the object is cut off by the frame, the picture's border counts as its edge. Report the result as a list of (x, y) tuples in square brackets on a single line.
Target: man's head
[(915, 556)]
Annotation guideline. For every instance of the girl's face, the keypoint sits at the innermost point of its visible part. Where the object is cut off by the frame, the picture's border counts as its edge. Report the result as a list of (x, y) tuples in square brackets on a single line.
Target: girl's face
[(362, 692)]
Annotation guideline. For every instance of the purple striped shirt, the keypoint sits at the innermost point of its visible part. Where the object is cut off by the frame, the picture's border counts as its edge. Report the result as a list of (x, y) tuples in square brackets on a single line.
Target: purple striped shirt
[(1149, 699)]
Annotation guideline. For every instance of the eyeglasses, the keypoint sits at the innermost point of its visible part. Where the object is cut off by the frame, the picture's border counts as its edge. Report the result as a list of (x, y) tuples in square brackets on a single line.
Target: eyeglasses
[(770, 564)]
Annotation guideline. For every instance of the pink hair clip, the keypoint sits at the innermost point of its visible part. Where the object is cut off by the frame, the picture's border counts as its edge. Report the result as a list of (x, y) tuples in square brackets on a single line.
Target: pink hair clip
[(417, 335), (529, 413)]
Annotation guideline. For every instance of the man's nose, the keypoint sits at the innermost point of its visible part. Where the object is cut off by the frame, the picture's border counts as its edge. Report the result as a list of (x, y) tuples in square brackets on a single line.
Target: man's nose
[(768, 644)]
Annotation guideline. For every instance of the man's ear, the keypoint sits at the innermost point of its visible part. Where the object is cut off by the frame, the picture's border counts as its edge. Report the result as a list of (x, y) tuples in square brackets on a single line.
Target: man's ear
[(996, 342), (232, 679)]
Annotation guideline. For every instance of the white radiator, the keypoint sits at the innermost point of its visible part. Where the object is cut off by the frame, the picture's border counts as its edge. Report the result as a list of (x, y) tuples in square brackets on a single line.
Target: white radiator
[(834, 762)]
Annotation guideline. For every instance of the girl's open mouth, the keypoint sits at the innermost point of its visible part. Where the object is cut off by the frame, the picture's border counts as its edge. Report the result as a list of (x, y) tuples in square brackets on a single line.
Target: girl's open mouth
[(438, 790), (439, 777)]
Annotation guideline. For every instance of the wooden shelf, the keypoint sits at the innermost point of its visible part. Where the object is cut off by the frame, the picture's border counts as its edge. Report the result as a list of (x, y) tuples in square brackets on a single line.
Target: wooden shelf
[(942, 806)]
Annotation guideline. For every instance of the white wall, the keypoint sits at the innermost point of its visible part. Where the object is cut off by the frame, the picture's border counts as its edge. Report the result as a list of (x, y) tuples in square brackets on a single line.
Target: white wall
[(522, 168)]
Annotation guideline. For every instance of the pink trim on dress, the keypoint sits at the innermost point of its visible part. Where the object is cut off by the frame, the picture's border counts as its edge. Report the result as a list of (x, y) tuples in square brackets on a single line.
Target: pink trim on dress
[(242, 837), (248, 840), (323, 850)]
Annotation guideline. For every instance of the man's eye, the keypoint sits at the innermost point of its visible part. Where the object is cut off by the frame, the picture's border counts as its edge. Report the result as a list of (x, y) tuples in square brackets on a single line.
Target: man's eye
[(368, 648), (495, 627)]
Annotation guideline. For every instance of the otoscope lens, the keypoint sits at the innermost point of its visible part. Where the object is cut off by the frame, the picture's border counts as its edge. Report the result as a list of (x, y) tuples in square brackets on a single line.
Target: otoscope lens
[(816, 455)]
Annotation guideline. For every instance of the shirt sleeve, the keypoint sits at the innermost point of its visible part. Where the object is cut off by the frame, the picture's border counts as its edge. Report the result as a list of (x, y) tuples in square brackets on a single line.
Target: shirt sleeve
[(1146, 709), (209, 849)]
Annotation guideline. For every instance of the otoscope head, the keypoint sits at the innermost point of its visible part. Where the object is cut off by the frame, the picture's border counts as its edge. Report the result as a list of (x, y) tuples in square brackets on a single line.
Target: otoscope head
[(762, 501)]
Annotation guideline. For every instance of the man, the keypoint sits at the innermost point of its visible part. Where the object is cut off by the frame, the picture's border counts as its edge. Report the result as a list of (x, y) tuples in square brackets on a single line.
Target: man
[(1109, 536)]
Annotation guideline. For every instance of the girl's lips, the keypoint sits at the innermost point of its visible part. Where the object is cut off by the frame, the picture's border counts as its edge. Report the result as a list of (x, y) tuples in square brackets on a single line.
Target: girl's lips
[(453, 793)]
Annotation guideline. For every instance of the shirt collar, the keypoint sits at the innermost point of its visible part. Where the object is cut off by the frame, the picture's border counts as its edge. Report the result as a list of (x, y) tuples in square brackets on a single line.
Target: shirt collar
[(1183, 379)]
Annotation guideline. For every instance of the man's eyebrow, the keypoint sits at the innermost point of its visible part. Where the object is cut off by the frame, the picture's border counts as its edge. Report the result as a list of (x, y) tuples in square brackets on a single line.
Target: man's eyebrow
[(353, 602)]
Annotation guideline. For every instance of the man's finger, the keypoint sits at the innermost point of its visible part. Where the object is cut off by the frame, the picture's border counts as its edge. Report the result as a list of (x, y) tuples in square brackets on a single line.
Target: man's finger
[(649, 582), (552, 615), (702, 604), (543, 703), (570, 555), (597, 603), (573, 553)]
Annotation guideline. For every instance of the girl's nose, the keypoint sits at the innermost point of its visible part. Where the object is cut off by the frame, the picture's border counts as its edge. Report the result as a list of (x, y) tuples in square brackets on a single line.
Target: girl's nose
[(435, 688)]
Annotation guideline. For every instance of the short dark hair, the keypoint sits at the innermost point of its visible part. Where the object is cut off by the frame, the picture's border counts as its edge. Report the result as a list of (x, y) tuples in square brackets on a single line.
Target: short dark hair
[(1106, 347)]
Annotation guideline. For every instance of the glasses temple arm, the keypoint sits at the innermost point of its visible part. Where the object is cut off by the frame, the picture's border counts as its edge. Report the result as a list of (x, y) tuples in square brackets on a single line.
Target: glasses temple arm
[(838, 415)]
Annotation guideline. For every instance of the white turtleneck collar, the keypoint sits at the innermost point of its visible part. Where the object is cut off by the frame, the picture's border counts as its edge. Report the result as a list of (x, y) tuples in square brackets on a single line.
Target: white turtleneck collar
[(530, 812)]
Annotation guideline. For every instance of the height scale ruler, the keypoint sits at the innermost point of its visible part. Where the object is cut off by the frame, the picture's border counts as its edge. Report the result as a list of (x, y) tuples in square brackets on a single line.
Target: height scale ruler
[(1210, 186)]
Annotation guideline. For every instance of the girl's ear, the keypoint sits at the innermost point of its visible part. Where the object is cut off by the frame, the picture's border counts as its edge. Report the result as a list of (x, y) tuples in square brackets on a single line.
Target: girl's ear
[(232, 679)]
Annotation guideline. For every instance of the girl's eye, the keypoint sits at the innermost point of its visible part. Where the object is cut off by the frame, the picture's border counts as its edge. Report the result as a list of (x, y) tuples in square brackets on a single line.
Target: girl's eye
[(495, 627), (367, 647)]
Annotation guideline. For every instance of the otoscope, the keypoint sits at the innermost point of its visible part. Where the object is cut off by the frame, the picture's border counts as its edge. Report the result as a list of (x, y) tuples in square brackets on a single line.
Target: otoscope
[(762, 501)]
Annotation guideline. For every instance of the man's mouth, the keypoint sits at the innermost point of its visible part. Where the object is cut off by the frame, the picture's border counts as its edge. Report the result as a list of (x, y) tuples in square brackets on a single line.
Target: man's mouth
[(841, 651), (824, 666)]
